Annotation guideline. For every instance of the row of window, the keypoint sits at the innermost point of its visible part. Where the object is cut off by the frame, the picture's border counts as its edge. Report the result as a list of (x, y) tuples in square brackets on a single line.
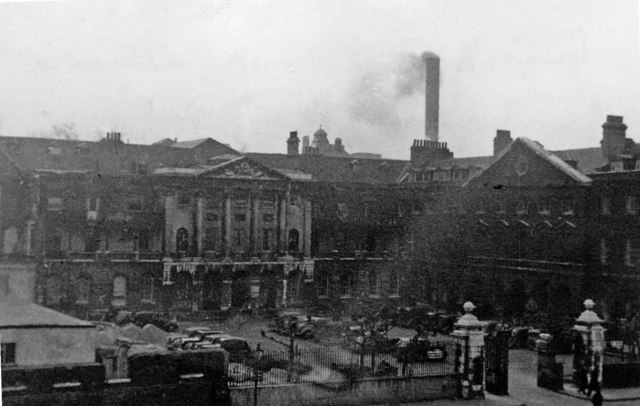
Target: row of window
[(239, 239), (631, 205), (56, 294), (441, 175), (131, 202), (631, 252), (346, 285)]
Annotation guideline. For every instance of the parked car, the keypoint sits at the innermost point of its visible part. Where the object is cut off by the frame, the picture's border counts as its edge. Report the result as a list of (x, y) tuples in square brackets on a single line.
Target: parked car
[(418, 349), (182, 343), (141, 319), (303, 326), (237, 347)]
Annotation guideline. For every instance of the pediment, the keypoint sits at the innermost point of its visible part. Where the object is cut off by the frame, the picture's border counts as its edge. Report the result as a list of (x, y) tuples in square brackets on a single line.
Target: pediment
[(242, 168), (526, 163)]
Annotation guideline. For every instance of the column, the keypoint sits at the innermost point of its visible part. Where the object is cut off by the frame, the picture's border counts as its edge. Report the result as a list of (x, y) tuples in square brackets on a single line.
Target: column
[(282, 225), (169, 237), (588, 356), (469, 336), (255, 224), (307, 228), (199, 226), (227, 226)]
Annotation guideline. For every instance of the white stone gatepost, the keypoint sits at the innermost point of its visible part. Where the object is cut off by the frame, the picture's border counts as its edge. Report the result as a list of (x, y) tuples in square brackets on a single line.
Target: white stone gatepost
[(589, 326), (469, 336)]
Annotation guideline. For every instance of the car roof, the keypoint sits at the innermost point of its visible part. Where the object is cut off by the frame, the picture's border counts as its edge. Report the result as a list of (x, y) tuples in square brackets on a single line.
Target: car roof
[(196, 328), (227, 338)]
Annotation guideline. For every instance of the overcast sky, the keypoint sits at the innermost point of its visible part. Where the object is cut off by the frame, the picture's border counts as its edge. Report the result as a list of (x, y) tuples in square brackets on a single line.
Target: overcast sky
[(248, 72)]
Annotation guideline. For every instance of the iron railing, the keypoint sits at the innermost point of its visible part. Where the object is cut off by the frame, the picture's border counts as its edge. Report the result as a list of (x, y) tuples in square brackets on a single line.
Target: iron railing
[(342, 364)]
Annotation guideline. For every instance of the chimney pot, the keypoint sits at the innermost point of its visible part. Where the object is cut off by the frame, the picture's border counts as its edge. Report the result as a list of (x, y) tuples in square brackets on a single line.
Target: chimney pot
[(613, 137), (501, 141), (293, 144)]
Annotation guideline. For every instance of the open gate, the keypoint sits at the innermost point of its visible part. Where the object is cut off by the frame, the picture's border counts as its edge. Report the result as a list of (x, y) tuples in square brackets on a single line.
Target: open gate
[(497, 363)]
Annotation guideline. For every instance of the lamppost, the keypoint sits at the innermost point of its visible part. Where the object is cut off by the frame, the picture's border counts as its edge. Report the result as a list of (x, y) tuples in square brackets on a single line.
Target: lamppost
[(257, 373)]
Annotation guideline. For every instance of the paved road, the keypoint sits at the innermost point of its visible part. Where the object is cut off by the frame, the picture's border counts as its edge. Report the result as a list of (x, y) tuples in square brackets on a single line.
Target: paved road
[(523, 386)]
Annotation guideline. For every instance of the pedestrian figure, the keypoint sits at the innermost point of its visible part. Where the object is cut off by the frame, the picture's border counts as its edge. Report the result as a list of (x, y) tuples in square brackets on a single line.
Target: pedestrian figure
[(594, 384), (597, 399), (582, 376)]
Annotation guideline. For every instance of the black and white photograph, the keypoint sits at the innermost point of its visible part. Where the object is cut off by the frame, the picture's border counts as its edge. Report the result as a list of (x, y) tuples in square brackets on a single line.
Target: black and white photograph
[(320, 202)]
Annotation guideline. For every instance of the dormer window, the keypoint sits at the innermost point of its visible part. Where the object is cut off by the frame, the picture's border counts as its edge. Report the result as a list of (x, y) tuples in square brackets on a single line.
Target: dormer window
[(54, 203), (57, 151), (139, 168), (82, 149)]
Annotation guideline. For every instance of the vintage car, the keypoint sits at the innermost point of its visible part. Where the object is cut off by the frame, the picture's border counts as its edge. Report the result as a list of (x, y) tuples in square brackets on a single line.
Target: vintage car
[(237, 347), (419, 349), (300, 325)]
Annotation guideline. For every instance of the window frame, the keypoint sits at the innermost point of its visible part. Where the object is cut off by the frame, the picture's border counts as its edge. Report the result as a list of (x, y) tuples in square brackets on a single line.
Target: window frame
[(5, 349)]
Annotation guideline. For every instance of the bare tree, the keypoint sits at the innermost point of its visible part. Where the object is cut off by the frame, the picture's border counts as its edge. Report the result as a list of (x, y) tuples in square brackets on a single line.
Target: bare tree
[(65, 131)]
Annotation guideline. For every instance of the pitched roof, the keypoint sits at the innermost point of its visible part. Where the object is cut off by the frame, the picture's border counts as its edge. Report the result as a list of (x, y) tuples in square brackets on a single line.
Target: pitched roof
[(539, 150), (90, 156), (18, 313), (334, 169), (588, 159), (189, 144)]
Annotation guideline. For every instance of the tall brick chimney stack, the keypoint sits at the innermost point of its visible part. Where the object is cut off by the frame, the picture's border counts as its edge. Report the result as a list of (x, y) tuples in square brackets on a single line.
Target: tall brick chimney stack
[(432, 95), (613, 137), (501, 141), (293, 144)]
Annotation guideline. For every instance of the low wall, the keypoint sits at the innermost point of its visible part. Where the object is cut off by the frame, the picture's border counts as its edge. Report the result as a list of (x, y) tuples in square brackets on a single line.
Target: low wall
[(622, 375), (368, 391), (194, 393)]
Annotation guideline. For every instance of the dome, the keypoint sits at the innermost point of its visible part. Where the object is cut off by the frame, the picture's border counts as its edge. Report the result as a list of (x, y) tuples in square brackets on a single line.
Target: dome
[(320, 133)]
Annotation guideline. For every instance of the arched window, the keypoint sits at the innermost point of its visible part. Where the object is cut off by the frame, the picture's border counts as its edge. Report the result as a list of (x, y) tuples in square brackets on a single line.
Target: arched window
[(374, 287), (83, 288), (294, 239), (182, 240), (54, 290), (119, 291)]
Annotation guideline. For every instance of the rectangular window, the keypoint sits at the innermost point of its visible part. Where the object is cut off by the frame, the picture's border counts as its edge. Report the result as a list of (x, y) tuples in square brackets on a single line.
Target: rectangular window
[(211, 217), (134, 203), (266, 239), (241, 217), (544, 208), (54, 203), (568, 207), (604, 252), (92, 204), (521, 208), (628, 260), (8, 353), (605, 205), (212, 204), (324, 286), (240, 237), (268, 204), (147, 292), (210, 238), (267, 217), (632, 205), (184, 200)]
